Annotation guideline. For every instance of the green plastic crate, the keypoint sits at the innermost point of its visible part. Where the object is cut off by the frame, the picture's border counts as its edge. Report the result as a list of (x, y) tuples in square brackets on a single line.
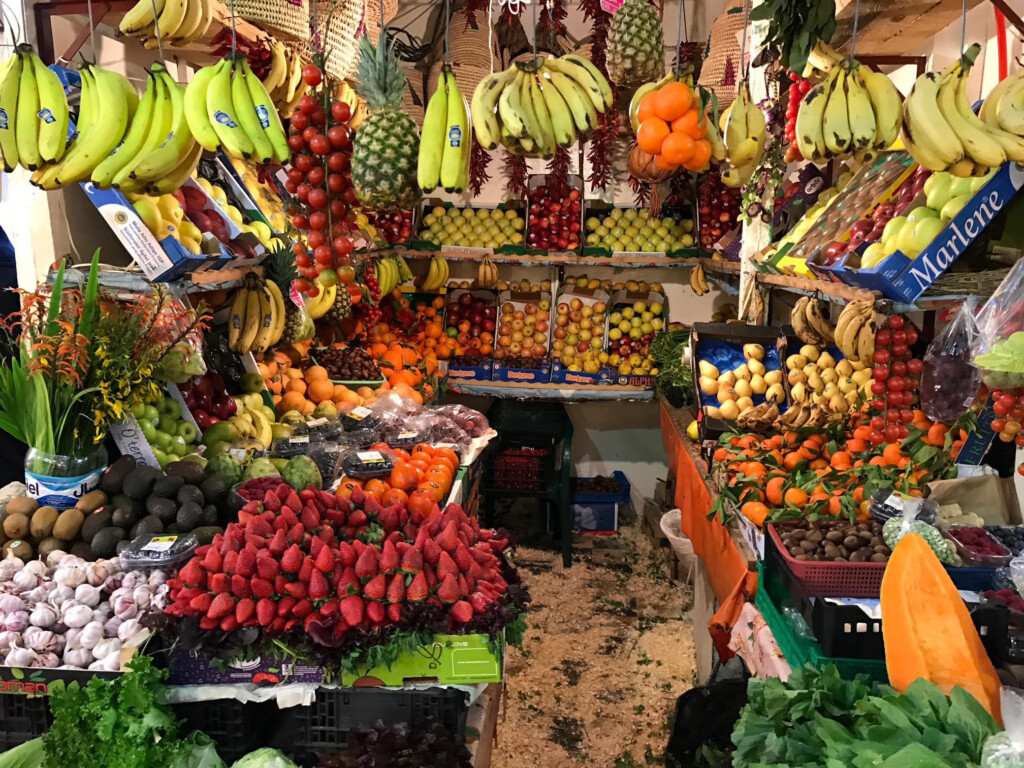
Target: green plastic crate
[(800, 650)]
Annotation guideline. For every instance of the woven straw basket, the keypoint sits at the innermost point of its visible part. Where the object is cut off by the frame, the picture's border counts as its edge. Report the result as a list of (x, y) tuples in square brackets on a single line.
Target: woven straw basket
[(722, 50), (286, 19), (414, 101), (471, 62), (371, 18), (339, 26)]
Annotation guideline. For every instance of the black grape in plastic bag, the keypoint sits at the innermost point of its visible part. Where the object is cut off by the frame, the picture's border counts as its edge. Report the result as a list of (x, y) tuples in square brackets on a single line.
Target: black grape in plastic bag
[(949, 382)]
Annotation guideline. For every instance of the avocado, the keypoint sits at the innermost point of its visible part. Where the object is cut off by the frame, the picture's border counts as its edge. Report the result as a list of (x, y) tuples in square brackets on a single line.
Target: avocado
[(18, 548), (191, 472), (205, 533), (124, 517), (190, 493), (42, 522), (210, 516), (93, 523), (46, 546), (151, 524), (139, 482), (69, 524), (214, 489), (190, 515), (22, 505), (91, 501), (113, 479), (16, 526), (82, 550), (123, 545), (104, 543), (167, 487), (172, 528), (165, 509)]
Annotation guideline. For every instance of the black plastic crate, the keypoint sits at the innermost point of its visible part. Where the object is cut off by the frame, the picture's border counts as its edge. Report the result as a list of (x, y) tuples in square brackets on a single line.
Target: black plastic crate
[(237, 727), (23, 718), (329, 723)]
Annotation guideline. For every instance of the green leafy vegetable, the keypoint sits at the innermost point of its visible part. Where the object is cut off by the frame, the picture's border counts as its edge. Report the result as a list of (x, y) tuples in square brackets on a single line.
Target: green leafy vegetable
[(795, 26), (27, 755)]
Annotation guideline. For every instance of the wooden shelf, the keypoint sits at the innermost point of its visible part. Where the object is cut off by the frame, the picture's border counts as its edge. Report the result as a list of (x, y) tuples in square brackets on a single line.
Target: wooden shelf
[(561, 392), (885, 29), (560, 259)]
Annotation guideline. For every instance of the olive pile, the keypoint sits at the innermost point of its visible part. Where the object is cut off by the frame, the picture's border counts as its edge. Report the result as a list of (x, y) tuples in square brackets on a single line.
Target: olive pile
[(348, 364), (836, 541), (599, 484)]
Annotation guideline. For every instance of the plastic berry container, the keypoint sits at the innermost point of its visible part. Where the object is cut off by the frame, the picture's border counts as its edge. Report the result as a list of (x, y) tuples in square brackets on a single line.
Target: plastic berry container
[(159, 551), (367, 464), (978, 547)]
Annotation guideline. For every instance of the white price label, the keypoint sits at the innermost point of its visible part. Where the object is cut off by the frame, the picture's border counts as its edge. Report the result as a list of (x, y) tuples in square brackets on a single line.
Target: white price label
[(370, 457), (160, 544), (359, 413)]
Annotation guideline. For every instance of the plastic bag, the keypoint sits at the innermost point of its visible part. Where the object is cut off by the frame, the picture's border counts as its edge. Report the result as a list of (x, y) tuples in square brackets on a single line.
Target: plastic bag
[(203, 755), (181, 363), (1006, 749), (950, 382), (899, 526), (999, 352), (265, 758), (472, 422)]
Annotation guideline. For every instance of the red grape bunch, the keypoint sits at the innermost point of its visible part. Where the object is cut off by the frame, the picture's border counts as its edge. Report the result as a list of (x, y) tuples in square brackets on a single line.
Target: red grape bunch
[(718, 207), (897, 377), (319, 179)]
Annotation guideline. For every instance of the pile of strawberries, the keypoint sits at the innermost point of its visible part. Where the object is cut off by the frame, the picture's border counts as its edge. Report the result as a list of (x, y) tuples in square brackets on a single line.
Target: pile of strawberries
[(316, 561)]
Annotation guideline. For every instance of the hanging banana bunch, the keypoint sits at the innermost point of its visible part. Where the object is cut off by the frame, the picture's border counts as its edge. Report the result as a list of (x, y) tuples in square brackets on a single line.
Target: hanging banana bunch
[(445, 139), (34, 115)]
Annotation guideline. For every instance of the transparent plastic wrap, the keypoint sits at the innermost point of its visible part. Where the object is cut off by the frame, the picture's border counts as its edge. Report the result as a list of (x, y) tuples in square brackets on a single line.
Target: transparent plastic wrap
[(159, 551), (360, 418), (366, 464), (999, 348), (907, 522), (472, 422), (1006, 749), (1017, 574), (393, 405), (448, 432), (949, 381), (408, 433), (183, 362), (324, 429), (887, 504)]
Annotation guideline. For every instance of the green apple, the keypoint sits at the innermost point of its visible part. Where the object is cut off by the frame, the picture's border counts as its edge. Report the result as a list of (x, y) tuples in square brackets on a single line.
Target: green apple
[(953, 206), (890, 247), (178, 446), (148, 430), (922, 212), (872, 255), (924, 232), (161, 458), (936, 189), (139, 411), (893, 227), (980, 181), (152, 414), (162, 440), (960, 186), (905, 239), (187, 432), (168, 406)]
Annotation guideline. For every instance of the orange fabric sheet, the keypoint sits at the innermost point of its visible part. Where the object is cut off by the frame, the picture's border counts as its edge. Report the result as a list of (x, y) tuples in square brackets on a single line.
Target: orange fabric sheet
[(733, 583)]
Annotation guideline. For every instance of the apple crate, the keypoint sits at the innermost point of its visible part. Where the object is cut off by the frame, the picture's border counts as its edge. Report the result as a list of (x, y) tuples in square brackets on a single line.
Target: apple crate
[(465, 312), (513, 359), (628, 343), (245, 248), (599, 210), (426, 212), (139, 439), (568, 313), (549, 230)]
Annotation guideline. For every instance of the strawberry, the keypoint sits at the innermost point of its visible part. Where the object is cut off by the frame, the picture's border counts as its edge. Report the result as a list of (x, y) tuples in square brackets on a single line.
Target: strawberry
[(289, 517), (431, 551), (431, 576), (449, 591), (254, 540), (462, 612), (318, 505), (356, 518), (389, 560), (250, 508), (262, 526), (307, 569), (375, 612), (336, 517), (240, 586), (220, 583), (266, 611), (497, 545), (339, 630), (201, 603), (246, 607), (324, 560), (449, 538), (410, 530), (296, 534), (190, 594), (267, 568), (358, 498), (283, 491), (367, 565), (329, 607), (177, 609), (482, 554), (376, 587), (271, 502), (201, 551), (221, 606), (417, 589), (346, 554), (192, 574), (307, 494), (277, 625), (207, 624), (349, 583), (285, 605), (479, 602), (352, 609), (446, 566), (394, 613), (246, 563), (309, 518), (261, 588), (278, 544), (296, 589), (308, 622), (325, 534), (318, 586), (302, 609), (463, 584), (396, 589), (291, 561), (293, 502), (463, 559), (214, 561), (315, 546), (372, 507)]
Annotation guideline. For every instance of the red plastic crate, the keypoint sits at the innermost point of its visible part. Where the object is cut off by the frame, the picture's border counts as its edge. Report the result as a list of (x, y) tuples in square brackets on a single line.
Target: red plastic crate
[(521, 469), (826, 579)]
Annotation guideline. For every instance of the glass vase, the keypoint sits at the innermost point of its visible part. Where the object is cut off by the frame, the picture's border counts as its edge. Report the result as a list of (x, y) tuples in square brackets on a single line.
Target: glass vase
[(60, 481)]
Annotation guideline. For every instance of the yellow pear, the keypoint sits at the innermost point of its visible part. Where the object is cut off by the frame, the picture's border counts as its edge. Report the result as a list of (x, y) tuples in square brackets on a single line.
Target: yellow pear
[(825, 360), (713, 412), (773, 377), (799, 392), (743, 388), (725, 393), (844, 368), (758, 385), (730, 410), (756, 367), (810, 351), (707, 369), (775, 394), (744, 403), (708, 385), (829, 376), (743, 372), (729, 377), (795, 362), (753, 351)]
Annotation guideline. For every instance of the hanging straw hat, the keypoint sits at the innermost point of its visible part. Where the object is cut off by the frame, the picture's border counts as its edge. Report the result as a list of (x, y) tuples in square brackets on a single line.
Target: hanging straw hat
[(372, 17), (470, 59), (285, 19), (722, 67), (339, 25)]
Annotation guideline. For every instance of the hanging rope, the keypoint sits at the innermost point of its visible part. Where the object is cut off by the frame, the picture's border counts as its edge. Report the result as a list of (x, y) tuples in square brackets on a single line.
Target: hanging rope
[(680, 29), (963, 26), (447, 31), (856, 20), (533, 5), (234, 32), (743, 43), (490, 33), (92, 32), (156, 29)]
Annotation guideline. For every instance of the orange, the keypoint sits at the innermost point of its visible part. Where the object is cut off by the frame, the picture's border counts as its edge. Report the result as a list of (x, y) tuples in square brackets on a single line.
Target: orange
[(365, 392), (420, 465), (394, 496), (316, 373), (376, 486), (440, 474), (424, 451), (348, 396), (796, 496), (651, 135), (321, 390), (841, 460), (291, 401), (937, 434), (774, 491), (647, 106), (689, 122), (677, 147), (404, 477), (421, 502), (665, 165), (755, 511), (891, 453), (700, 157), (296, 385), (672, 100), (435, 488)]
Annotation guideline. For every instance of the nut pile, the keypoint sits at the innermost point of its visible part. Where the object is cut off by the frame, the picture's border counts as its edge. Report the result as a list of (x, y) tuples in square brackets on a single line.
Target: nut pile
[(836, 541), (348, 364)]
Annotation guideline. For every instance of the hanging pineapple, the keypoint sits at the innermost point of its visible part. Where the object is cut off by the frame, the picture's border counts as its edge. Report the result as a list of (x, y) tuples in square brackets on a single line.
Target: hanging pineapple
[(280, 267), (386, 147), (636, 44), (341, 308)]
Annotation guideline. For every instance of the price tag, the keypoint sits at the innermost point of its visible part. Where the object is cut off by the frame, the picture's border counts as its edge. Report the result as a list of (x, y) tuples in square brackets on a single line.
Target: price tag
[(370, 457), (160, 544), (296, 297), (316, 422), (359, 413), (611, 6), (301, 440), (239, 453), (408, 435)]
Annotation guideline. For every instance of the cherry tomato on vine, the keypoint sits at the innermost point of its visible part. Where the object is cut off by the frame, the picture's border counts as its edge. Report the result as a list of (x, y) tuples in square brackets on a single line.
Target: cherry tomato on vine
[(312, 76), (341, 111), (346, 275), (896, 322)]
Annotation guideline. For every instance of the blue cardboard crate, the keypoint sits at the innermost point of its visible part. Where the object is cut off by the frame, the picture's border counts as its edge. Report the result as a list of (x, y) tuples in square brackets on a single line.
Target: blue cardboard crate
[(542, 375), (622, 497), (560, 374), (480, 372), (595, 517)]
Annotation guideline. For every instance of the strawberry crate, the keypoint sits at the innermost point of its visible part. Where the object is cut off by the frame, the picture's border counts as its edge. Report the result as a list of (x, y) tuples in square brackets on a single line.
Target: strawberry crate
[(521, 468)]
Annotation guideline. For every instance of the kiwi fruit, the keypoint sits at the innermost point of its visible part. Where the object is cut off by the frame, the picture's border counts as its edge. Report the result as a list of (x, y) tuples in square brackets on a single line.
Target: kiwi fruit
[(22, 505), (16, 526), (42, 522), (19, 548), (91, 501), (68, 524)]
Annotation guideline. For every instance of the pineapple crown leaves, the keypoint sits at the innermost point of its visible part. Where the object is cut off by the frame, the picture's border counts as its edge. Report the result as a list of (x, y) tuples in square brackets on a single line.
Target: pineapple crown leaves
[(381, 79)]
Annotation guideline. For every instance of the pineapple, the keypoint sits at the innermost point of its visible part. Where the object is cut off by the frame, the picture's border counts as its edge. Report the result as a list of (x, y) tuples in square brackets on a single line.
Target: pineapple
[(280, 266), (341, 308), (636, 44), (387, 144)]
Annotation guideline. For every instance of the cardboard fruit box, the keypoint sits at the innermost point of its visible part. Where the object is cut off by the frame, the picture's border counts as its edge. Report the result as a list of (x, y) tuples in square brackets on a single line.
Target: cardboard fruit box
[(448, 660)]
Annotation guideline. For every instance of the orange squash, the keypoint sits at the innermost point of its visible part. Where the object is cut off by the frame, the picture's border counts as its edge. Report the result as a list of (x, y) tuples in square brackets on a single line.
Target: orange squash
[(928, 630)]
